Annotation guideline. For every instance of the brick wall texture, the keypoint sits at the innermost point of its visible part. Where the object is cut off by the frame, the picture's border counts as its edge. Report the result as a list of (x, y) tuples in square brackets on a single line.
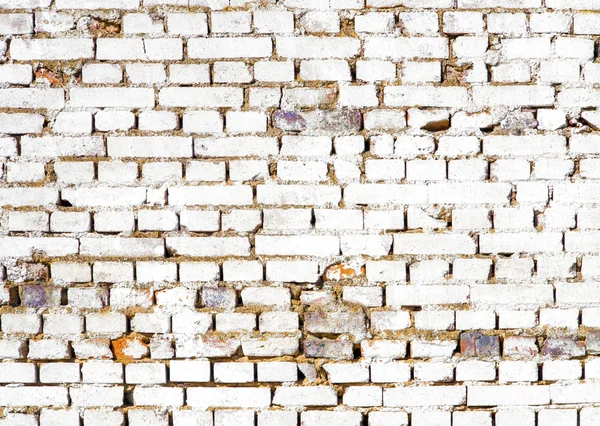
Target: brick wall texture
[(299, 213)]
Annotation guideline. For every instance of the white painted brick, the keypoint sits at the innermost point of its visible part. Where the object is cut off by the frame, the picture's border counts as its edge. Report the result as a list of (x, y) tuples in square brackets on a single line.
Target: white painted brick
[(428, 96), (149, 147), (274, 71), (112, 97), (233, 372), (375, 70), (141, 23), (92, 4), (28, 221), (433, 371), (325, 70), (260, 47), (507, 416), (514, 72), (514, 95), (194, 417), (320, 22), (268, 22), (189, 73), (507, 23), (52, 49), (358, 96), (476, 370), (231, 72), (277, 417), (147, 373), (406, 48), (25, 172), (16, 74), (550, 22), (380, 418), (187, 23), (229, 397), (374, 22), (147, 417), (145, 74), (302, 396), (316, 47), (573, 47), (562, 370), (265, 97), (105, 121), (161, 172), (508, 395), (463, 22), (517, 371)]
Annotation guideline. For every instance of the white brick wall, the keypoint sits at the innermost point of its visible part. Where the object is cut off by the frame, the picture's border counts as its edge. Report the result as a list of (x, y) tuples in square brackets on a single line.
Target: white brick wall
[(299, 212)]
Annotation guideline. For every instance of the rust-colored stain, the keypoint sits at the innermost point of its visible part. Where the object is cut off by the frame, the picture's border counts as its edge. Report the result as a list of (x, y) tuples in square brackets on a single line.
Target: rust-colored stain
[(47, 75), (343, 271), (123, 348)]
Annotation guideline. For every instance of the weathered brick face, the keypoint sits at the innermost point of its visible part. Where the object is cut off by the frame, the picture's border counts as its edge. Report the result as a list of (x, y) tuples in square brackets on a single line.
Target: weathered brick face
[(299, 212)]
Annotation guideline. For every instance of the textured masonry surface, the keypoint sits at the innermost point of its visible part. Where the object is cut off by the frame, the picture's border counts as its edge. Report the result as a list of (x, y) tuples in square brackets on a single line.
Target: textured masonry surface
[(299, 212)]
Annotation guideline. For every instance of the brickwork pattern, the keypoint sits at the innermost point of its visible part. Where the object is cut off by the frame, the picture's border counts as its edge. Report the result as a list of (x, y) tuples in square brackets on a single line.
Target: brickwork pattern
[(299, 212)]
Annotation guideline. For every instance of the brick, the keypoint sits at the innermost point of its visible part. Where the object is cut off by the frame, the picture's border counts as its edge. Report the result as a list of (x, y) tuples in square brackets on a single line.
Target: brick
[(231, 195), (505, 294), (38, 396), (305, 396), (16, 74), (508, 395), (200, 97), (316, 47), (507, 4), (439, 244), (311, 418), (32, 98), (406, 48), (10, 4), (136, 147), (298, 194), (297, 245), (319, 122), (61, 146), (96, 396), (53, 49), (510, 146), (138, 23), (267, 22), (16, 23), (259, 47), (95, 5), (397, 295), (514, 96), (112, 97), (325, 70), (530, 243), (208, 246), (430, 96), (417, 396), (109, 247), (479, 345), (189, 73), (229, 397), (139, 49)]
